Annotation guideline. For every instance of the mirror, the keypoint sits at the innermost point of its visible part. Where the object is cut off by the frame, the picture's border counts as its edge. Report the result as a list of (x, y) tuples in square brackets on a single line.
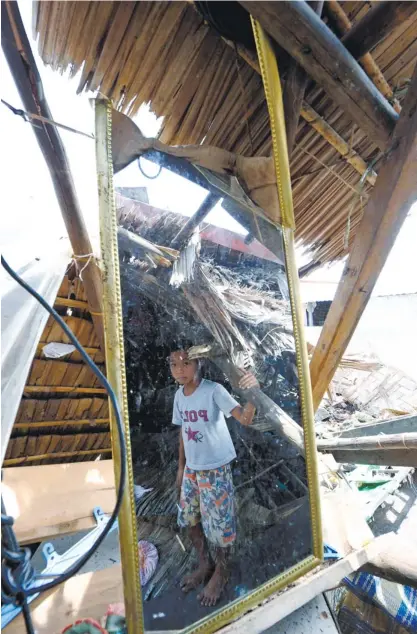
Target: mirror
[(205, 305)]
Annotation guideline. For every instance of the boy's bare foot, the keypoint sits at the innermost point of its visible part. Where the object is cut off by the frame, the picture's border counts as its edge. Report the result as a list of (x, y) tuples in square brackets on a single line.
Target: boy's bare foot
[(213, 590), (193, 580)]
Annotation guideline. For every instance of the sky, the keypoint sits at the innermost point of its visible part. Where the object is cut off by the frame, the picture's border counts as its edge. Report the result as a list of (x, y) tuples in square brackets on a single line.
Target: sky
[(31, 214)]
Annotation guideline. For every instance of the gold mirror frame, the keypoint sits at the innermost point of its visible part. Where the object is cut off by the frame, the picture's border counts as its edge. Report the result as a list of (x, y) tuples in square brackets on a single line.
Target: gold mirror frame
[(116, 367)]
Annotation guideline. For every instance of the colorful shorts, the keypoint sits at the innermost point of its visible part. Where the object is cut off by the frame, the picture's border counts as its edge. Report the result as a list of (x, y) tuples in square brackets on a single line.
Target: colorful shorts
[(208, 496)]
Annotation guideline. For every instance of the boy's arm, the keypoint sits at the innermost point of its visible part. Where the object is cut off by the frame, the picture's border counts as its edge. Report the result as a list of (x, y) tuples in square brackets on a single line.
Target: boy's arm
[(181, 462), (181, 457), (245, 414)]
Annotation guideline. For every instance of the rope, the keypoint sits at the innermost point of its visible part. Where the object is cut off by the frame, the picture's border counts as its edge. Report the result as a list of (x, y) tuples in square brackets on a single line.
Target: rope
[(29, 116), (355, 200), (88, 257)]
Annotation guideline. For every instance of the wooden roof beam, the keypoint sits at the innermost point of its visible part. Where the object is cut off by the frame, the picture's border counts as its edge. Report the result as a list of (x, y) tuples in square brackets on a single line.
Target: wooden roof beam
[(380, 20), (384, 214), (319, 124), (297, 28), (368, 63), (294, 89), (23, 67), (185, 233)]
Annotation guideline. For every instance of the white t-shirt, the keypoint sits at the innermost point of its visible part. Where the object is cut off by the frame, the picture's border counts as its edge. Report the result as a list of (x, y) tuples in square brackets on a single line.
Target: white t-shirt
[(207, 441)]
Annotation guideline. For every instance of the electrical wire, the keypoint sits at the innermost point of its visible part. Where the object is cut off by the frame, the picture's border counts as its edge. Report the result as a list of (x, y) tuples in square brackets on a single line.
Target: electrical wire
[(76, 567)]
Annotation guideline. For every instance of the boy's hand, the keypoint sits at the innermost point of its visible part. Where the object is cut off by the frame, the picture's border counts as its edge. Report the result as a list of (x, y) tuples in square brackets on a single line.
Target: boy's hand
[(178, 482), (248, 380)]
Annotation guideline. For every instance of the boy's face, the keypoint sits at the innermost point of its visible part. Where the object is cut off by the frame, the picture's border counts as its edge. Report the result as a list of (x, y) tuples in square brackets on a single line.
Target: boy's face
[(182, 369)]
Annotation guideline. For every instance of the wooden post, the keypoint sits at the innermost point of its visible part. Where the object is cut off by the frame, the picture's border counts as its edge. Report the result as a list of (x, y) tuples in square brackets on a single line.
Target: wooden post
[(294, 89), (23, 67), (296, 27), (382, 19), (385, 212)]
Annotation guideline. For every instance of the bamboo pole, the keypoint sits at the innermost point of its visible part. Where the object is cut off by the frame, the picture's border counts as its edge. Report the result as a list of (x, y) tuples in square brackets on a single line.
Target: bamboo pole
[(367, 61), (364, 443), (23, 67), (320, 125), (9, 462), (64, 423), (63, 388)]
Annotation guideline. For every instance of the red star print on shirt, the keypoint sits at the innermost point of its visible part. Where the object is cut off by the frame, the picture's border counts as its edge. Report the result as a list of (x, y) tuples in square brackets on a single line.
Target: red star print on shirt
[(193, 435)]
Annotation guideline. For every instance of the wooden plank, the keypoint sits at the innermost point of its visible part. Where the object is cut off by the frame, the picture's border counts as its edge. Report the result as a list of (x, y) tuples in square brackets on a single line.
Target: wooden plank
[(91, 593), (87, 595), (280, 606), (71, 303), (51, 500), (401, 425), (296, 27), (382, 18), (385, 211)]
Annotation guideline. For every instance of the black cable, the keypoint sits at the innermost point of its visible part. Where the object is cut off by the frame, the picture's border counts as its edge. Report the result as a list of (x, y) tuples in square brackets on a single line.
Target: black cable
[(16, 569), (76, 567)]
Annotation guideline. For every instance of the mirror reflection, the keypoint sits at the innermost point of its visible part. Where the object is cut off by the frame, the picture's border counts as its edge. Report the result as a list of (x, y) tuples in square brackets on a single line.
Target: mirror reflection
[(214, 404)]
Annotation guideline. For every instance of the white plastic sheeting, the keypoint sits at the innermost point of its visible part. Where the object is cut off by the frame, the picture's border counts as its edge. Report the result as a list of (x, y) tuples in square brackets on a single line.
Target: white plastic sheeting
[(22, 322)]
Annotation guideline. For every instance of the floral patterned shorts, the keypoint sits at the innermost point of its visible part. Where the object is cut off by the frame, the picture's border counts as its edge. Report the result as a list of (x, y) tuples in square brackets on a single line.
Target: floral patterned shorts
[(208, 496)]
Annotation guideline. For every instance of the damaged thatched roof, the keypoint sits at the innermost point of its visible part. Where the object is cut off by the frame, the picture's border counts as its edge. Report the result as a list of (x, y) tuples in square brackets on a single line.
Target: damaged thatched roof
[(64, 414), (164, 53)]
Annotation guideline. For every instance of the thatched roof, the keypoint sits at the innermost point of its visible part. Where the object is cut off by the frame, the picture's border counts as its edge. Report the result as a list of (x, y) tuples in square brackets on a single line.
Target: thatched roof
[(164, 53), (63, 415)]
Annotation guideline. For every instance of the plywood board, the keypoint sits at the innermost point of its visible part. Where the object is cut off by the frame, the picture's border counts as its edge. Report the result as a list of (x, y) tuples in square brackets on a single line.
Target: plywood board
[(87, 595), (51, 500)]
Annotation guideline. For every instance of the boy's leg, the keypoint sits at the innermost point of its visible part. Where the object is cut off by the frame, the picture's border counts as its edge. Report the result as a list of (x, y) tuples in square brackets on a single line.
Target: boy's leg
[(214, 588), (205, 566), (219, 522), (190, 517)]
